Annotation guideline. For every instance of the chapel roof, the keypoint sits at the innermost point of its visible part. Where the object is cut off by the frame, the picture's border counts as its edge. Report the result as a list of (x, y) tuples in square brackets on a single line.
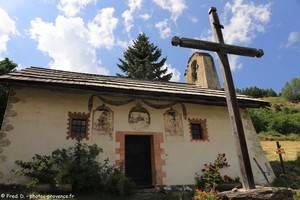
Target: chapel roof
[(184, 92)]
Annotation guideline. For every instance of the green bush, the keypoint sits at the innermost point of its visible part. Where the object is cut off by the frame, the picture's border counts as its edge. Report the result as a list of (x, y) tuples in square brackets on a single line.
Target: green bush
[(277, 120), (40, 169), (79, 167), (286, 123), (261, 118)]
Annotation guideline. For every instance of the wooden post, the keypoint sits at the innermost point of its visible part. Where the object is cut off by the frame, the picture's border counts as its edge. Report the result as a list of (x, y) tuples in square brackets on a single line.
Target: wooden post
[(280, 151), (233, 108)]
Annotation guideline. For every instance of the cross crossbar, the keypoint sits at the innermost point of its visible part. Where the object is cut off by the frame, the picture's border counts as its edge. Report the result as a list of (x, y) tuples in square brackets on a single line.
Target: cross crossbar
[(213, 46)]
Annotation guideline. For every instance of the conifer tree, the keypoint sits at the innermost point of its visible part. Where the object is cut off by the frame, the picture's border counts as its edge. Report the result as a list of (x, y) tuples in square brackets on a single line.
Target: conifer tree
[(142, 61)]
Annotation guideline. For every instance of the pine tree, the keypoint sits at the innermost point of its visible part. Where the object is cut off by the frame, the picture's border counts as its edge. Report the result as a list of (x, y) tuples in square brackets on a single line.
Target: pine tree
[(141, 61), (7, 66)]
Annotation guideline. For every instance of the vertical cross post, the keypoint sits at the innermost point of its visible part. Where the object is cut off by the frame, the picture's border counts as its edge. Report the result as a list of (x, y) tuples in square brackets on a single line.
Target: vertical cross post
[(232, 104)]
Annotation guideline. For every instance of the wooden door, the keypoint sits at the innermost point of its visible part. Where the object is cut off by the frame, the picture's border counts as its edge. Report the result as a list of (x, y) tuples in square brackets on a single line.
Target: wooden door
[(138, 159)]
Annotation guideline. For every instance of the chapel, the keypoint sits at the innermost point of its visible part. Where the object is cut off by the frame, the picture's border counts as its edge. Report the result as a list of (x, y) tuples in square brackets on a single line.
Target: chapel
[(160, 133)]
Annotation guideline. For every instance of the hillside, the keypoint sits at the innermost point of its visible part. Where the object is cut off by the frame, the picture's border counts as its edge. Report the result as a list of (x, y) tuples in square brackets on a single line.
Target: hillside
[(281, 121), (281, 101)]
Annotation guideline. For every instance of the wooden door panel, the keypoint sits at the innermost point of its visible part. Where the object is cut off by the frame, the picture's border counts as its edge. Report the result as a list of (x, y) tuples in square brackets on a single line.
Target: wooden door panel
[(138, 159)]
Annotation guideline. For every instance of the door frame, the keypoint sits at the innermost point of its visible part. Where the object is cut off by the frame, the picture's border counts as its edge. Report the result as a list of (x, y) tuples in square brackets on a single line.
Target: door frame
[(157, 152)]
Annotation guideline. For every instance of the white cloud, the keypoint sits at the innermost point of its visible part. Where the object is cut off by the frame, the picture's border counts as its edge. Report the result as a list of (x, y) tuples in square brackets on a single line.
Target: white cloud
[(102, 27), (235, 64), (133, 6), (293, 38), (145, 16), (193, 19), (243, 21), (71, 44), (72, 7), (164, 29), (176, 7), (7, 29), (174, 71), (124, 44)]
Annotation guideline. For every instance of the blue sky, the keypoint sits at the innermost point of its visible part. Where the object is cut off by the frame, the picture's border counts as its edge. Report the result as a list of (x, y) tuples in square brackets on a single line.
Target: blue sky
[(90, 35)]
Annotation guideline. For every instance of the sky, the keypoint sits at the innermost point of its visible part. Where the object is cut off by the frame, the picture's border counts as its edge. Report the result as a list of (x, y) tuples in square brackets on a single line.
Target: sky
[(91, 35)]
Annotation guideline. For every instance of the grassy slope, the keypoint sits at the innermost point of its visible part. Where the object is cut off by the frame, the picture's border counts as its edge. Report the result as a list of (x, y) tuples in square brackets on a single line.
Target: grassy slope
[(281, 101), (292, 153)]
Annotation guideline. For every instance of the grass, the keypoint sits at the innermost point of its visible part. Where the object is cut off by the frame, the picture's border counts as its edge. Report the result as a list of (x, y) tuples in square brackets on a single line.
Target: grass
[(291, 163), (278, 137), (291, 148), (292, 176)]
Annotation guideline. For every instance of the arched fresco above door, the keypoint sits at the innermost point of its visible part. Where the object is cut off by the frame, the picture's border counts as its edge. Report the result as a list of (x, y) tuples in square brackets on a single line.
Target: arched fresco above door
[(139, 117)]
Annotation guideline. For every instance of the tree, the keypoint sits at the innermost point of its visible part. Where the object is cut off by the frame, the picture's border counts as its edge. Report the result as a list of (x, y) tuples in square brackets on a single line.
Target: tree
[(141, 61), (6, 66), (291, 91), (257, 92)]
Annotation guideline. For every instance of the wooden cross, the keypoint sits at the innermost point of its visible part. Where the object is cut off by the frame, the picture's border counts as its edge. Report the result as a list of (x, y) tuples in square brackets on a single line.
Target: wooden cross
[(280, 151), (222, 50)]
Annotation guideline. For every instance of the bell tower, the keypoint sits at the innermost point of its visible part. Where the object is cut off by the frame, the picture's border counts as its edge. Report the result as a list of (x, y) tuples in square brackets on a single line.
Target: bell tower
[(201, 71)]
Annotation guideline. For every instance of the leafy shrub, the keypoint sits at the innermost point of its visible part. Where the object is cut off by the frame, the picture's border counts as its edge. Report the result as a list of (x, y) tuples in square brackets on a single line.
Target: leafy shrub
[(211, 174), (261, 118), (79, 167), (282, 120), (40, 169), (286, 123)]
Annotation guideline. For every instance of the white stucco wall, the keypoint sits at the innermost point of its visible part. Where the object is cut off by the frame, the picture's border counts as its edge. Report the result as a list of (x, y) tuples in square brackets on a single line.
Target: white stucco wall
[(36, 122)]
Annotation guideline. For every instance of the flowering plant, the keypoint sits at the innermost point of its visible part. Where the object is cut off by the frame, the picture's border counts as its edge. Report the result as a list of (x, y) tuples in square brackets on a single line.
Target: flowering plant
[(211, 173), (203, 195)]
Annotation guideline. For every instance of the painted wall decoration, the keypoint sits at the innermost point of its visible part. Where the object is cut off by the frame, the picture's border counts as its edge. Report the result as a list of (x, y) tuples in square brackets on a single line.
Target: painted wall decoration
[(103, 120), (139, 118), (173, 123)]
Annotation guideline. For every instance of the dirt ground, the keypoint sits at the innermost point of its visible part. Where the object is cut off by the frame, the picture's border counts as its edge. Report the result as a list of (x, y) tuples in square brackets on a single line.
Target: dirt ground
[(291, 148)]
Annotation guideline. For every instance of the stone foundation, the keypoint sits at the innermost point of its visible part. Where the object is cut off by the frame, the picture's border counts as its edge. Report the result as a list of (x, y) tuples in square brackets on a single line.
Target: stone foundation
[(264, 193)]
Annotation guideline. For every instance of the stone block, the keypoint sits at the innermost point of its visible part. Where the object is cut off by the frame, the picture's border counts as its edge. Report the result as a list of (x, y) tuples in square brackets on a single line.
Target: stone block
[(263, 193)]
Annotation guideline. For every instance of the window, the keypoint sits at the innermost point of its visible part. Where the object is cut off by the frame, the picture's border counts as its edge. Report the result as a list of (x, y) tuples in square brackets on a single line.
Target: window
[(78, 125), (78, 128), (198, 129)]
